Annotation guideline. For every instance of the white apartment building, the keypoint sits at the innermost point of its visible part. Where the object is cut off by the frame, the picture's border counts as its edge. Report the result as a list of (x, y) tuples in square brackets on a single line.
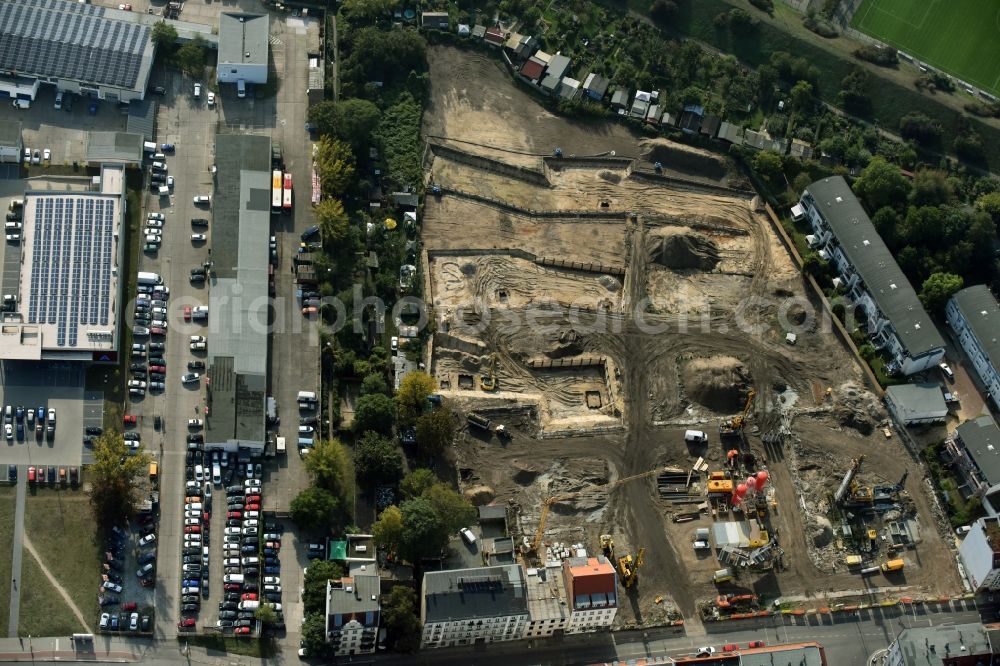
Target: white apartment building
[(974, 314), (473, 606), (845, 236)]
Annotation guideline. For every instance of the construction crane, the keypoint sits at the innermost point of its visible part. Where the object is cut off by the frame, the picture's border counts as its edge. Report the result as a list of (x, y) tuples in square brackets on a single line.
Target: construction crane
[(734, 426), (549, 501), (628, 569), (488, 382)]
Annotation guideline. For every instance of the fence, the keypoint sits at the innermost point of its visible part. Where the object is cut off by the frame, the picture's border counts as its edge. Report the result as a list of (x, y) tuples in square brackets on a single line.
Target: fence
[(574, 362), (590, 267)]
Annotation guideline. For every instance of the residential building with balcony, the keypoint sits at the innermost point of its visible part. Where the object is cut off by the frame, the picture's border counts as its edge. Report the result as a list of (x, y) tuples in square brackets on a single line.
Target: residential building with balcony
[(974, 314), (548, 612), (955, 645), (844, 235), (592, 590), (473, 606), (352, 614), (979, 553), (974, 452)]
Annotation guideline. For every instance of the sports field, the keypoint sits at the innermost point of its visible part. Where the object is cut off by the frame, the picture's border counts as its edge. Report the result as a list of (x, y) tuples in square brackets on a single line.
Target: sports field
[(960, 37)]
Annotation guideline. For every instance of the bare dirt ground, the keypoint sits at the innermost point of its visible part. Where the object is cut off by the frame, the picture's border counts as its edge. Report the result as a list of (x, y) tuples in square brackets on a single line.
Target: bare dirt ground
[(688, 309)]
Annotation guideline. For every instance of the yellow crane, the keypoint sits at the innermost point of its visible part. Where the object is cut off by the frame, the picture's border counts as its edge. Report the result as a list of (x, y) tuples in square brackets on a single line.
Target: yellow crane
[(549, 501), (734, 426), (488, 382), (628, 569)]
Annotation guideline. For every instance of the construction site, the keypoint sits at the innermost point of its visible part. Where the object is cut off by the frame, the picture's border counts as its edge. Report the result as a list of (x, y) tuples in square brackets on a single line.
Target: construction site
[(643, 372)]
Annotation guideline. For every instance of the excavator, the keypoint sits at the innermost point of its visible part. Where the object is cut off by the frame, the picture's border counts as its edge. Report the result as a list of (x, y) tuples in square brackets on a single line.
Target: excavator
[(628, 569), (549, 501), (734, 426), (730, 602), (488, 382)]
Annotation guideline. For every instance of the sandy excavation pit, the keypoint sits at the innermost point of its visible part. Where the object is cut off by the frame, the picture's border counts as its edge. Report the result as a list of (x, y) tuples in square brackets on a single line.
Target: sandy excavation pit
[(711, 268)]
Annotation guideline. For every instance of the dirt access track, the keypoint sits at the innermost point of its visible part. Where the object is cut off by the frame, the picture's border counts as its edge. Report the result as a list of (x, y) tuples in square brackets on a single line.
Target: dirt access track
[(616, 308)]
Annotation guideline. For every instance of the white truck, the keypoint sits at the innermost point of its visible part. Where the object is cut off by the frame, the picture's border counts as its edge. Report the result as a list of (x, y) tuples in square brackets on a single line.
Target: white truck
[(148, 278)]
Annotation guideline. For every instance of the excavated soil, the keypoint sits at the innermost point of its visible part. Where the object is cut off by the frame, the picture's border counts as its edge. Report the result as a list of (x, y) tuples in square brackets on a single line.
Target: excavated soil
[(718, 383), (680, 250)]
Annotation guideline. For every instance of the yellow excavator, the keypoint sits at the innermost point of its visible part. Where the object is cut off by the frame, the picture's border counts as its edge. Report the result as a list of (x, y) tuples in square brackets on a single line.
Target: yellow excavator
[(734, 426), (488, 382), (628, 568)]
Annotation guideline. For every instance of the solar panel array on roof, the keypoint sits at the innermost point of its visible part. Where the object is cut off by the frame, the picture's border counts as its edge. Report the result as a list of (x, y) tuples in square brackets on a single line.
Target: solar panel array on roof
[(69, 40), (71, 268)]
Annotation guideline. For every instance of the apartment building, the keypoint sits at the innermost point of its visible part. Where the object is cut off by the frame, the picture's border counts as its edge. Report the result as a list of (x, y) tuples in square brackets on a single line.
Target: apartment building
[(974, 314), (844, 235), (352, 614), (974, 450), (592, 590), (473, 606), (548, 612)]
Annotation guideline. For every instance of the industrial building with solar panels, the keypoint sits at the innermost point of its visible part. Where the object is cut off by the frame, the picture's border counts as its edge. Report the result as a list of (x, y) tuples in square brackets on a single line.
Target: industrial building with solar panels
[(63, 302), (87, 49)]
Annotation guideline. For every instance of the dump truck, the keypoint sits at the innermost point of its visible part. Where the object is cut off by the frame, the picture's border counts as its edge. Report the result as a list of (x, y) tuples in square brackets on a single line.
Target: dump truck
[(892, 565), (478, 421), (722, 575)]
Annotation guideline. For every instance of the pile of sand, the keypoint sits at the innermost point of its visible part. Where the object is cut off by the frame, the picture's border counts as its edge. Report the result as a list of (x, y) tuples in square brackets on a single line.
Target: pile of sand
[(716, 383)]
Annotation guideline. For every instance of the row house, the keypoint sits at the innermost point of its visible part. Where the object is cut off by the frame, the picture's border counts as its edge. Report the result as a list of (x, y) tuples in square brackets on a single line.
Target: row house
[(974, 314)]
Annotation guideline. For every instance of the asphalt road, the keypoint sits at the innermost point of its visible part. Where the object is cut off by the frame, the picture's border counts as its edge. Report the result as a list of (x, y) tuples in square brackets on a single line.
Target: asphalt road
[(15, 562)]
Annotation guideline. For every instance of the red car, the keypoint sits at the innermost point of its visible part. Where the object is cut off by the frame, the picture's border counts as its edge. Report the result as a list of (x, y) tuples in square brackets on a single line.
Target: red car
[(755, 644), (187, 313), (186, 623), (156, 330), (31, 475), (192, 529), (157, 368), (241, 631), (129, 605), (234, 514), (252, 507), (252, 498), (249, 596), (273, 544), (730, 647), (232, 586), (130, 419)]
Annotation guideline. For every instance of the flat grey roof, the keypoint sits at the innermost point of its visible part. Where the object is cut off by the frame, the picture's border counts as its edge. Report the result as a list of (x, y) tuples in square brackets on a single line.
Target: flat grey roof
[(918, 398), (358, 600), (928, 645), (980, 308), (114, 147), (981, 438), (142, 118), (69, 40), (883, 278), (460, 594), (10, 132), (243, 38)]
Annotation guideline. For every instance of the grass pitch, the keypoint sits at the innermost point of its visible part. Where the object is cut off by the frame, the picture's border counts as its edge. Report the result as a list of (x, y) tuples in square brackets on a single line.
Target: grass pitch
[(960, 37)]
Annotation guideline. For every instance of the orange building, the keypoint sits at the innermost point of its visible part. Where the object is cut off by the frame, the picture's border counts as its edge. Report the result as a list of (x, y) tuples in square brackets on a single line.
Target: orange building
[(592, 591)]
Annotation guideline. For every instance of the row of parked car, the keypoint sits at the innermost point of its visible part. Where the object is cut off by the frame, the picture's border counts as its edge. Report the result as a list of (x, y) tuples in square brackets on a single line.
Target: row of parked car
[(113, 583), (18, 419)]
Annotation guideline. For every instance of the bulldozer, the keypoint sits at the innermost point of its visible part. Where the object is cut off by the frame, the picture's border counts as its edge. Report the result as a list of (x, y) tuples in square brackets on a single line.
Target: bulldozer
[(628, 568), (488, 382)]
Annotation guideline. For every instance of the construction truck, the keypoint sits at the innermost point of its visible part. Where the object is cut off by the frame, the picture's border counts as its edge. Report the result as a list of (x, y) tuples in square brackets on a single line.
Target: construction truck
[(488, 382), (628, 568), (892, 565), (734, 426), (502, 432)]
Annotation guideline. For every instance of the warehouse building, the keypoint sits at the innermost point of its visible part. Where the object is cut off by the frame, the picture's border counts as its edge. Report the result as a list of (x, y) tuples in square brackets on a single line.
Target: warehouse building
[(845, 236), (238, 298), (243, 42), (63, 302), (86, 49), (974, 314)]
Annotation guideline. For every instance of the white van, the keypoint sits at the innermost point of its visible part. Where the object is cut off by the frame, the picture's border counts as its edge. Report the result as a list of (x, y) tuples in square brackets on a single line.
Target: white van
[(232, 578), (148, 146), (695, 436), (249, 605), (241, 88), (21, 104), (306, 396), (216, 474), (468, 536), (163, 191)]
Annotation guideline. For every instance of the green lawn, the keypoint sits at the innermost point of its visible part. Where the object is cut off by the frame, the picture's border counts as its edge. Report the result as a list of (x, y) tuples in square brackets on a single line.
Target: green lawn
[(7, 502), (43, 610), (61, 526), (960, 37)]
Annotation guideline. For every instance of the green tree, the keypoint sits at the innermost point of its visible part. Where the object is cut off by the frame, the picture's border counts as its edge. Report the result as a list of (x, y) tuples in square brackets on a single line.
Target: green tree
[(191, 57), (314, 635), (402, 622), (882, 184), (886, 221), (351, 121), (854, 94), (164, 37), (802, 97), (990, 203), (768, 165), (312, 510), (931, 188), (377, 459), (266, 614), (383, 55), (435, 431), (115, 476), (424, 532), (388, 530), (662, 11), (937, 289), (417, 482), (374, 383), (332, 221), (919, 127), (314, 584), (329, 465), (375, 411), (334, 166), (412, 394), (367, 11), (455, 511)]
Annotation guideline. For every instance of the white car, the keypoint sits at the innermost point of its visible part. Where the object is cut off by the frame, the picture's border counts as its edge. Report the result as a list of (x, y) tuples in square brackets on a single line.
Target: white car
[(197, 338), (148, 539), (191, 521), (305, 430), (195, 423), (156, 216), (272, 588), (197, 90), (36, 156), (201, 199), (198, 346), (190, 538), (153, 231), (394, 343), (136, 383), (46, 155), (27, 155), (251, 515), (8, 431), (170, 181), (706, 650), (233, 531), (211, 98), (946, 369), (250, 523), (190, 590), (198, 238), (249, 531), (253, 490), (190, 378), (154, 224), (272, 580), (193, 506), (231, 562), (193, 513)]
